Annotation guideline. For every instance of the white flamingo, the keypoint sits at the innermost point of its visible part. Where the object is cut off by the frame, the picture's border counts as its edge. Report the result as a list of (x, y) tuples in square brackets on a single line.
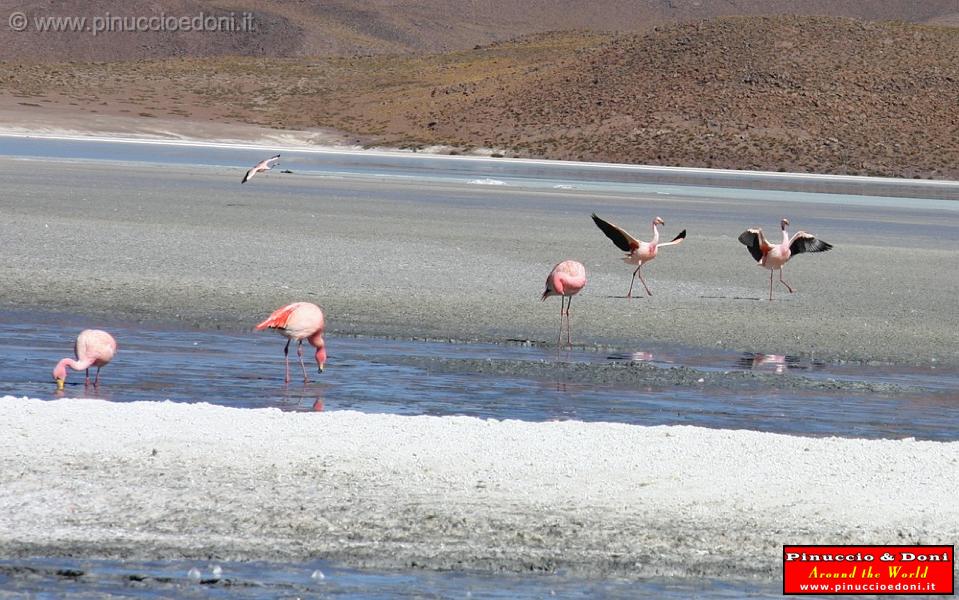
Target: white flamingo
[(260, 167)]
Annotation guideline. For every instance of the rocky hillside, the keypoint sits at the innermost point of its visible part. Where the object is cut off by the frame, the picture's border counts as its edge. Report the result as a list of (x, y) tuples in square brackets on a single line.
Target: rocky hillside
[(786, 93)]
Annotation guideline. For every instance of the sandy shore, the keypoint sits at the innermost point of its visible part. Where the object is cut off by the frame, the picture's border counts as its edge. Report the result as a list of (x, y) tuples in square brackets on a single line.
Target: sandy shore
[(92, 478), (461, 261), (61, 121)]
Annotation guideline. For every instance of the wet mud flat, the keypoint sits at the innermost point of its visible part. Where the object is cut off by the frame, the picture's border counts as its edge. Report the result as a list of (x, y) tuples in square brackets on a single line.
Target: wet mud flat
[(401, 256)]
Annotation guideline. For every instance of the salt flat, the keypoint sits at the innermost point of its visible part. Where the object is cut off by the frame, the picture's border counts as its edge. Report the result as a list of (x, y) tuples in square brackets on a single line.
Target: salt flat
[(169, 480)]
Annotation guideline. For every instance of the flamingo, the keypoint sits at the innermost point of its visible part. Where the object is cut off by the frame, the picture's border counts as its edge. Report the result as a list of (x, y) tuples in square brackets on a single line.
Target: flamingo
[(93, 348), (565, 280), (260, 167), (776, 256), (637, 253), (299, 321)]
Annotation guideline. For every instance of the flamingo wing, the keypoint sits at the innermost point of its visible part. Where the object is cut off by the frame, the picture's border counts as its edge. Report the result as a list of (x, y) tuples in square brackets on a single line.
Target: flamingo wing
[(279, 317), (676, 240), (752, 239), (618, 235), (249, 175), (806, 242)]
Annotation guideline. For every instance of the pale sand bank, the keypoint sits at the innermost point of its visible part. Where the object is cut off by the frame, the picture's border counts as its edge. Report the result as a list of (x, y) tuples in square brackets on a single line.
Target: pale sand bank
[(164, 480)]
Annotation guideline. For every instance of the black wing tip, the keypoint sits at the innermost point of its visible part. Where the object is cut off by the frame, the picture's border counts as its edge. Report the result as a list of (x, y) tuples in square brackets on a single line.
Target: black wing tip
[(681, 236)]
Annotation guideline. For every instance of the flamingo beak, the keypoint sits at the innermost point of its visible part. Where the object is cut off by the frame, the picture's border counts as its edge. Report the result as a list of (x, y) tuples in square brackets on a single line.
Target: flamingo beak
[(59, 385), (321, 368)]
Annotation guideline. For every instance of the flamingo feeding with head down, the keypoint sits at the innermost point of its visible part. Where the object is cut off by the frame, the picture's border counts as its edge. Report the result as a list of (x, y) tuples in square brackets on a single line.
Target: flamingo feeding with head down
[(775, 256), (299, 321), (93, 348), (565, 280), (260, 167), (637, 252)]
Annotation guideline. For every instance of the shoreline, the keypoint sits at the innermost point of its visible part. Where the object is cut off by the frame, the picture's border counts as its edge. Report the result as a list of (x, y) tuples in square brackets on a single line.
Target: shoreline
[(306, 141)]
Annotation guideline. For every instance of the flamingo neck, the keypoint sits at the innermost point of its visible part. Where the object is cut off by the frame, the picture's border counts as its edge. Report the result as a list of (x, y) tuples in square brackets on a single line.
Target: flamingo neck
[(785, 237), (60, 372), (317, 339), (655, 234)]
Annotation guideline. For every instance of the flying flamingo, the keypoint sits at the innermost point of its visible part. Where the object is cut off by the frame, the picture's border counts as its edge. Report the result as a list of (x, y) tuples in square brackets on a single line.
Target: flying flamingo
[(94, 348), (637, 253), (774, 257), (565, 280), (260, 167), (299, 321)]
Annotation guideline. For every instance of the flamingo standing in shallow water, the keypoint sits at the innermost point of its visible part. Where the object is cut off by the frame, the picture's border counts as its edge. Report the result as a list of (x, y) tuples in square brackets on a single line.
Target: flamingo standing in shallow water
[(637, 252), (565, 280), (775, 256), (94, 348), (260, 167), (299, 321)]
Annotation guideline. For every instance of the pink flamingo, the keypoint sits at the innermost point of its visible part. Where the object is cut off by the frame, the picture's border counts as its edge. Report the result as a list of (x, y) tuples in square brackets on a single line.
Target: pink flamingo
[(93, 348), (260, 167), (565, 280), (637, 252), (776, 256), (299, 321)]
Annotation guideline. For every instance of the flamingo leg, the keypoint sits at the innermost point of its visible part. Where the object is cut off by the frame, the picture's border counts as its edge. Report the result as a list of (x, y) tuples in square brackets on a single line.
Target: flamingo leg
[(286, 358), (569, 325), (86, 380), (770, 285), (638, 270), (559, 338), (629, 294), (783, 282), (96, 380), (299, 352)]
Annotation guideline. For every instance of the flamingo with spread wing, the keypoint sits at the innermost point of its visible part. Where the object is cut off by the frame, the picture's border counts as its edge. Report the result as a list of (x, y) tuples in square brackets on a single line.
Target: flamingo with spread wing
[(637, 252), (775, 256), (261, 166)]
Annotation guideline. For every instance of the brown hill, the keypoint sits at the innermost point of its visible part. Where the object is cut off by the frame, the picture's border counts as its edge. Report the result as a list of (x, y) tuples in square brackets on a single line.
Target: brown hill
[(793, 93), (288, 28), (789, 93)]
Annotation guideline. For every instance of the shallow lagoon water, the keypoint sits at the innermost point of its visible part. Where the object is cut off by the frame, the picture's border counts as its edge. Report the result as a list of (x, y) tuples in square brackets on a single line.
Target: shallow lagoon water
[(245, 369)]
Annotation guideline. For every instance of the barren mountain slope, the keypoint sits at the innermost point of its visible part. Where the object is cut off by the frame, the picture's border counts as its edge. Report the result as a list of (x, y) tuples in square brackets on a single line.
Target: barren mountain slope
[(285, 28), (794, 93)]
